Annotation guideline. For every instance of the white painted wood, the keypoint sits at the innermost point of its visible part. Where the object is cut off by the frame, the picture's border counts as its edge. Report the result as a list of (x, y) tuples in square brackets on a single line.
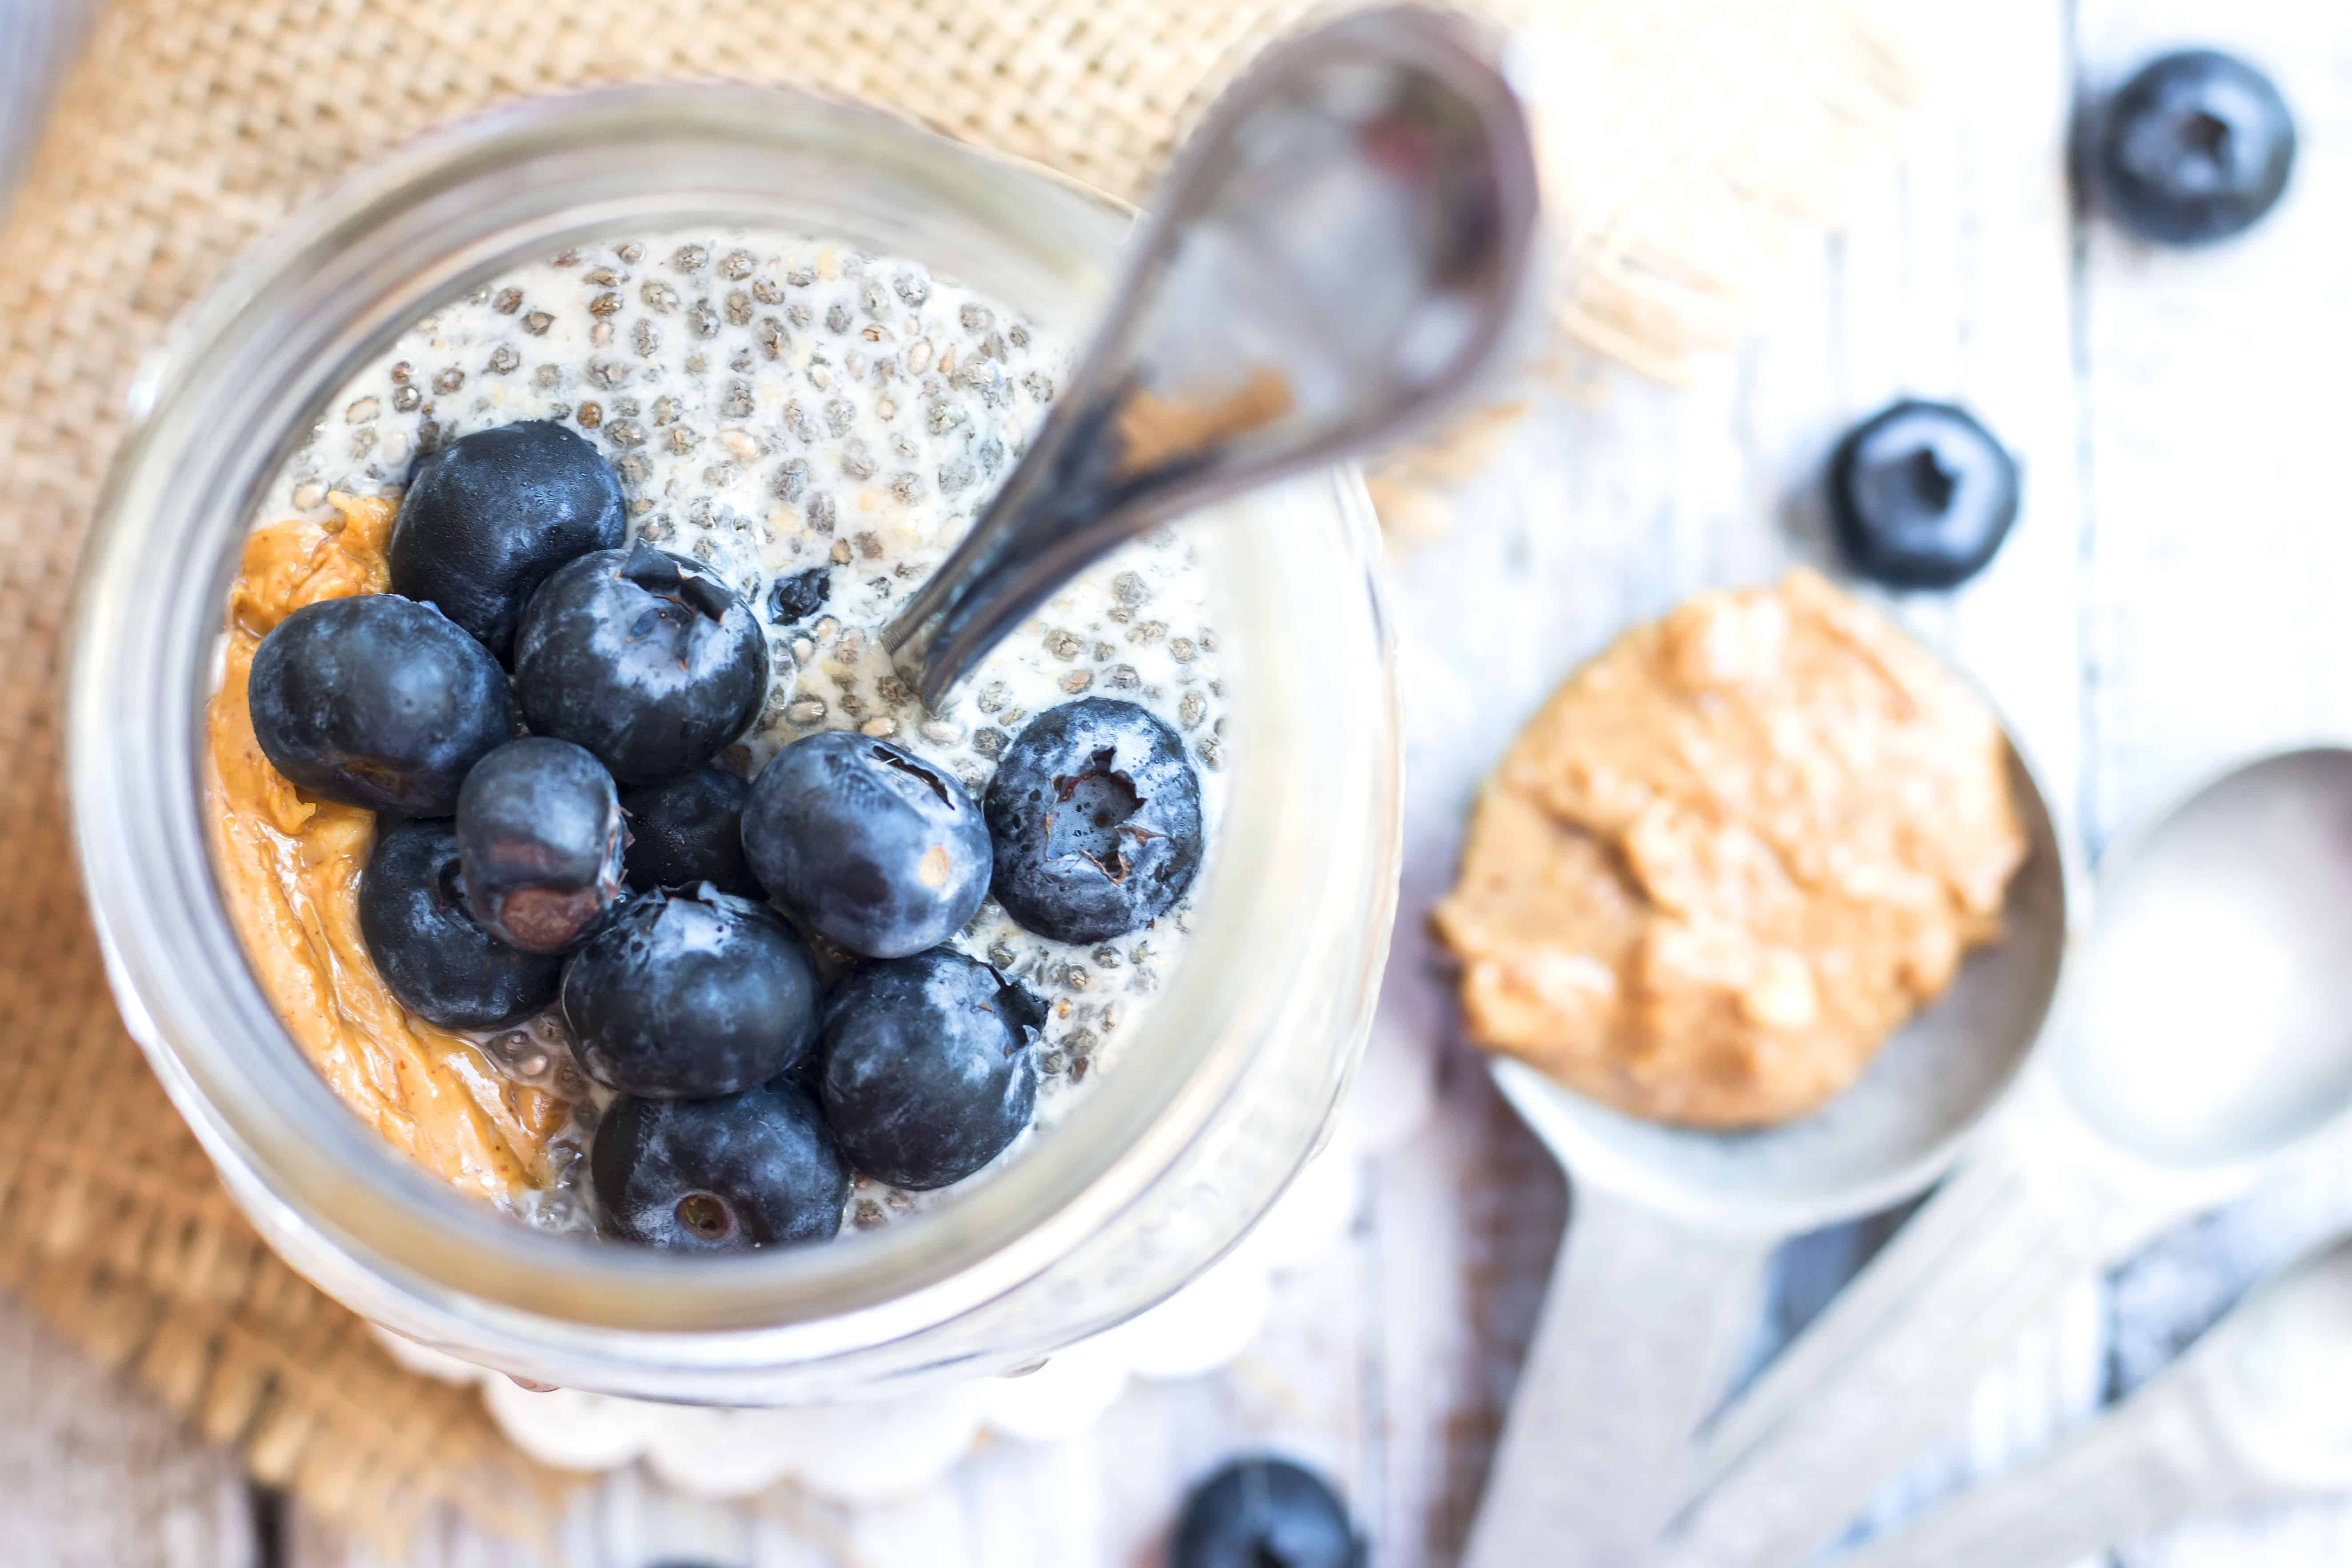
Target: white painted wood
[(2221, 574), (93, 1476)]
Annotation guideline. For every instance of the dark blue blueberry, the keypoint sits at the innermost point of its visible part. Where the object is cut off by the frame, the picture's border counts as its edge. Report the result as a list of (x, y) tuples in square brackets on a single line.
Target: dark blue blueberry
[(2195, 148), (929, 1071), (725, 1175), (488, 516), (1921, 494), (1095, 815), (444, 969), (687, 995), (868, 843), (688, 831), (799, 596), (378, 701), (1264, 1513), (539, 836), (648, 659)]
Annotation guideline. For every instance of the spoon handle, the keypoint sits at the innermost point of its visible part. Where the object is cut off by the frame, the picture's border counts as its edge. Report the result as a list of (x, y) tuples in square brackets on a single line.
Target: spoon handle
[(1891, 1362), (2158, 1459), (1639, 1324)]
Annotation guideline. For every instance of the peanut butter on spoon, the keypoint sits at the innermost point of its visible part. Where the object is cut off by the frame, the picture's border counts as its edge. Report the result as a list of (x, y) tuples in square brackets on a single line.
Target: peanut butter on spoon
[(1731, 855), (291, 866)]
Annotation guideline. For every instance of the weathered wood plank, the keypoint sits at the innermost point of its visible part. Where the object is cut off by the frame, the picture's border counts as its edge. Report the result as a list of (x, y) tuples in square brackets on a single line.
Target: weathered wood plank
[(94, 1476), (2220, 573)]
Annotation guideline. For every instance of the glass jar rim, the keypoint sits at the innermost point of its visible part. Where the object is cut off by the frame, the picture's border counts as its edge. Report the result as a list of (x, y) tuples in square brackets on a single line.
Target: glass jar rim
[(260, 354)]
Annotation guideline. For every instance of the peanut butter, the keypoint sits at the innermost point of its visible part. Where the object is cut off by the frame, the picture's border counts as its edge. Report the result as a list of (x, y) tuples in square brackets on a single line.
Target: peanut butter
[(291, 867), (1732, 855)]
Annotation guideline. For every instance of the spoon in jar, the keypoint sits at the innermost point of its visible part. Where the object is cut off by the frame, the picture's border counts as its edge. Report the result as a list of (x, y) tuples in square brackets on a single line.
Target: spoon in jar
[(2259, 1410), (1342, 251)]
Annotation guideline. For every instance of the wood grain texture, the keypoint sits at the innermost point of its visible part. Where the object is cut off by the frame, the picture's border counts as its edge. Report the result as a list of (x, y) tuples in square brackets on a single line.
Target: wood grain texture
[(2172, 595), (93, 1476)]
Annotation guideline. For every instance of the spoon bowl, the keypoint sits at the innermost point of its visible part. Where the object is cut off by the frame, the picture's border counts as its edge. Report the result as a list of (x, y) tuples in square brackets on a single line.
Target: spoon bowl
[(1341, 253), (2216, 1018), (1885, 1138)]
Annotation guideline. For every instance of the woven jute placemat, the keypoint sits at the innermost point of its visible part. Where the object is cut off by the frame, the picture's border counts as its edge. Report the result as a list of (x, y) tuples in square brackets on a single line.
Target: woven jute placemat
[(1690, 137)]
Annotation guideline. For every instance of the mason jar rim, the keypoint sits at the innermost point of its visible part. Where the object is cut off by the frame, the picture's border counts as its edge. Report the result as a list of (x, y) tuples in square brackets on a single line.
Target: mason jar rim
[(216, 411)]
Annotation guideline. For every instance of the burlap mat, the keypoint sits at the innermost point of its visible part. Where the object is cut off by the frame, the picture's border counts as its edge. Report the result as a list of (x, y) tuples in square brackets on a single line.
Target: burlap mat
[(1698, 131)]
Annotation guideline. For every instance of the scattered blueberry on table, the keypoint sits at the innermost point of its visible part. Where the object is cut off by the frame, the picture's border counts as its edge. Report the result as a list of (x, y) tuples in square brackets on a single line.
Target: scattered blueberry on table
[(867, 843), (1095, 815), (721, 1175), (1264, 1513), (442, 965), (488, 516), (540, 840), (2195, 148), (377, 701), (687, 995), (928, 1069), (686, 831), (645, 658), (1921, 494)]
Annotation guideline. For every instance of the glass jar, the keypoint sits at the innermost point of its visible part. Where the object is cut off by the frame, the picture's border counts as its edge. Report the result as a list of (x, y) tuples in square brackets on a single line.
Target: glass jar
[(1220, 1095)]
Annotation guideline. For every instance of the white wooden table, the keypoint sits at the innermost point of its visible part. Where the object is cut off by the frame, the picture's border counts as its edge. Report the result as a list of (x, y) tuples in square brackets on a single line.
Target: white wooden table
[(2181, 587)]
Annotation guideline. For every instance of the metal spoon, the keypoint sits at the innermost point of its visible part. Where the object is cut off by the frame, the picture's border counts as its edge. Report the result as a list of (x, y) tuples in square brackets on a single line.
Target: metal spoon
[(2205, 1031), (2259, 1410), (1660, 1274), (1343, 249)]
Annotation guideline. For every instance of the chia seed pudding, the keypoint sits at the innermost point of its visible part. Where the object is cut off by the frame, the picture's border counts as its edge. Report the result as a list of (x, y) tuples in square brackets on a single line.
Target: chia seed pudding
[(818, 426)]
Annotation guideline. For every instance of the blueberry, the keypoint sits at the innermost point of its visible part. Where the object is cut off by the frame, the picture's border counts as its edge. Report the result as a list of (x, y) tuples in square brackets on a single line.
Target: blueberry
[(444, 969), (725, 1175), (868, 843), (682, 997), (1921, 494), (799, 596), (539, 836), (927, 1071), (1264, 1513), (1095, 815), (378, 701), (488, 516), (2195, 148), (648, 659), (688, 831)]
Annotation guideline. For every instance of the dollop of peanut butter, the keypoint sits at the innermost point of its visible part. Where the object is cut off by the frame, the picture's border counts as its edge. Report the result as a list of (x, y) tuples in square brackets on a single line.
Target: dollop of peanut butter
[(289, 866), (1731, 855)]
